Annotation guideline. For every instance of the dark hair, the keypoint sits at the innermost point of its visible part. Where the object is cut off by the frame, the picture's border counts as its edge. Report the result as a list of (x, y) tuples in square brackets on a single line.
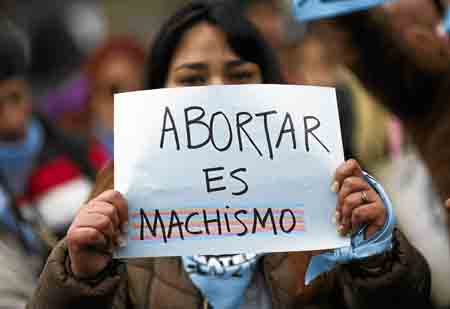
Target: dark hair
[(241, 35), (117, 44), (14, 51), (249, 4)]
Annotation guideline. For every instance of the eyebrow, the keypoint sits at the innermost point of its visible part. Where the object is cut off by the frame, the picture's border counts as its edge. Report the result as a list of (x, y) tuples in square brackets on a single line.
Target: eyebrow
[(235, 63), (198, 66)]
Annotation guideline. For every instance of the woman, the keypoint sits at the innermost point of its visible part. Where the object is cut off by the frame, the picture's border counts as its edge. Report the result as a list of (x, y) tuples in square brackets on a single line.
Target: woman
[(117, 66), (210, 43)]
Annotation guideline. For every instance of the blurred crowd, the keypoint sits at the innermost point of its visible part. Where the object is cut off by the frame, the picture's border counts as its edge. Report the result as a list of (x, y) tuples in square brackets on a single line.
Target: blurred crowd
[(61, 64)]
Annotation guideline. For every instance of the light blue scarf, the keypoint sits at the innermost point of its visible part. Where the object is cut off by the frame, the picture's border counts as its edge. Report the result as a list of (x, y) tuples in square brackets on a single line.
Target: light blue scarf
[(106, 138), (18, 158), (9, 222), (222, 280), (16, 162), (360, 248)]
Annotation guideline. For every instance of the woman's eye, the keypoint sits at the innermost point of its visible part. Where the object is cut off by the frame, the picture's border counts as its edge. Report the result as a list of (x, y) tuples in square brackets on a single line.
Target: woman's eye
[(192, 80), (241, 76)]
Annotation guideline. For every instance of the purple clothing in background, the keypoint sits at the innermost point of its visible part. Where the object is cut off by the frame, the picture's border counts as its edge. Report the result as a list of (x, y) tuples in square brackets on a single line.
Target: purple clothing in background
[(71, 96)]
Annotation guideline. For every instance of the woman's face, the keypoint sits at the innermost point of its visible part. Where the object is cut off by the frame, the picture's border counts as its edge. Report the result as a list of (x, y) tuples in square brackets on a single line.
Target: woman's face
[(15, 109), (415, 23), (204, 57), (116, 74)]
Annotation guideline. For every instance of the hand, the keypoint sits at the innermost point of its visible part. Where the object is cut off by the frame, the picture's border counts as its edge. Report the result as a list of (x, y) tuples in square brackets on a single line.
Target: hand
[(358, 204), (95, 233)]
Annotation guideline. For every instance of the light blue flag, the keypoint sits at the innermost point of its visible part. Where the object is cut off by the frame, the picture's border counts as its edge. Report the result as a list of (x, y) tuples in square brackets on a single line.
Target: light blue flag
[(307, 10)]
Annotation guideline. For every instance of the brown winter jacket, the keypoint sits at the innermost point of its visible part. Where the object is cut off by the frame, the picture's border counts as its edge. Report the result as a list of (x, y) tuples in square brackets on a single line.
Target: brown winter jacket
[(396, 279)]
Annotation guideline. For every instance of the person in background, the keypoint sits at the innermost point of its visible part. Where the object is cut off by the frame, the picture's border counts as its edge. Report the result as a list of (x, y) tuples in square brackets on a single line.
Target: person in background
[(20, 250), (116, 66), (212, 43), (400, 57), (65, 106), (306, 59), (364, 123), (45, 175), (286, 39)]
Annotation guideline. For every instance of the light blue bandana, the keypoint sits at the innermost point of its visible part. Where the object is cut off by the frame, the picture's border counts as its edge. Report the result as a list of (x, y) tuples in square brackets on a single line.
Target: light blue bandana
[(222, 280), (9, 222), (17, 158), (16, 162), (106, 138), (360, 248), (307, 10)]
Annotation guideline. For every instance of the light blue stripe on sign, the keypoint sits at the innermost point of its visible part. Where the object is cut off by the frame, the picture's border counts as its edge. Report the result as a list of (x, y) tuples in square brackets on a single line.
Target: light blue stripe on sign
[(307, 10)]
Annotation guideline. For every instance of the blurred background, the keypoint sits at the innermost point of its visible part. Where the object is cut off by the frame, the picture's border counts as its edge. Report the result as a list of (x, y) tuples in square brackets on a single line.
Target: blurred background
[(82, 52), (65, 35)]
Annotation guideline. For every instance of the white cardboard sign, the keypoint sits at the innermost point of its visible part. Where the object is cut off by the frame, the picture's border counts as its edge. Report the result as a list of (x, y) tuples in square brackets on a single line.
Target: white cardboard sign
[(227, 169)]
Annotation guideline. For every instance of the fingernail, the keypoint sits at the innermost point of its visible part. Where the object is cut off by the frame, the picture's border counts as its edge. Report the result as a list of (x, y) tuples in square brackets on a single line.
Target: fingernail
[(124, 228), (340, 228), (344, 221), (338, 217), (122, 240), (335, 187)]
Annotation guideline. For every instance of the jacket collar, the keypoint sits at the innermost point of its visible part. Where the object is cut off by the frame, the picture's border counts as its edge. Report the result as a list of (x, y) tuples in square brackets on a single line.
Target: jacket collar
[(285, 273)]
